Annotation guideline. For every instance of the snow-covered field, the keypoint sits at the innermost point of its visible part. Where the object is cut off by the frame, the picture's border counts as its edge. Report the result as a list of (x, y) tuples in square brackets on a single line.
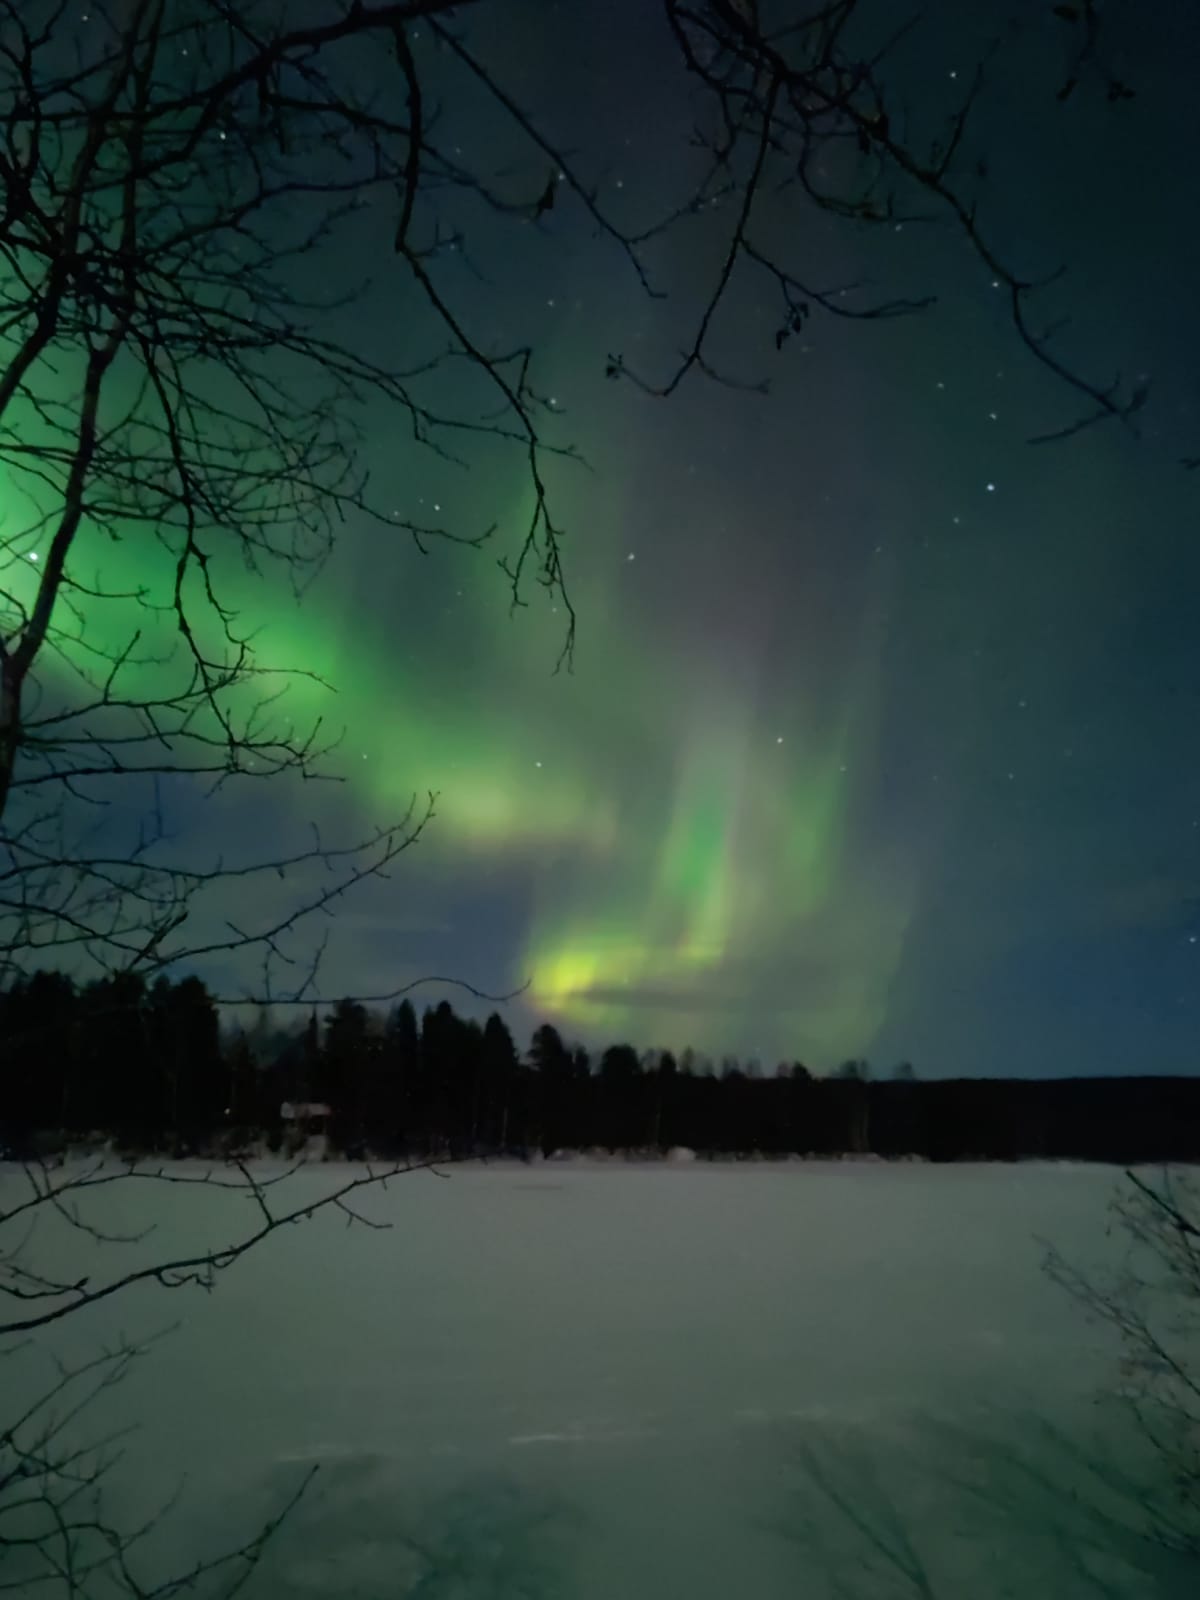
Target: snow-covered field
[(817, 1379)]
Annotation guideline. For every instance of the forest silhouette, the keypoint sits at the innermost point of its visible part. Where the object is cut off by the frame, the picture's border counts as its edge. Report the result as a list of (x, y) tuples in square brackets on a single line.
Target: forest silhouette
[(151, 1068)]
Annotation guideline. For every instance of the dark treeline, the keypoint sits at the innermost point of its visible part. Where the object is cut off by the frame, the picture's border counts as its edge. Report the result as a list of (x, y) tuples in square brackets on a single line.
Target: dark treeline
[(150, 1067)]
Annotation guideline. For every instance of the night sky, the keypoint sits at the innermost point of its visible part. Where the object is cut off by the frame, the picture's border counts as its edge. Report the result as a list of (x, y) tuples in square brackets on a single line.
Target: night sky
[(880, 738)]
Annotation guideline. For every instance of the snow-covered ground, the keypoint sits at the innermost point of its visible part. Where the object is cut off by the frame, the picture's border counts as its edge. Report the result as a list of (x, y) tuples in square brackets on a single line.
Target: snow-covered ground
[(813, 1379)]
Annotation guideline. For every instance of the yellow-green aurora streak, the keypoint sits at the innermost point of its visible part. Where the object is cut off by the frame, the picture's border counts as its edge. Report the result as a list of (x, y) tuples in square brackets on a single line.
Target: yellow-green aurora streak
[(716, 889)]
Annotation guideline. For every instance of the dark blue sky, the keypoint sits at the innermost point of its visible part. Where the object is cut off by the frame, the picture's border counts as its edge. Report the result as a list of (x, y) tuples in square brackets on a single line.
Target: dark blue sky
[(881, 735)]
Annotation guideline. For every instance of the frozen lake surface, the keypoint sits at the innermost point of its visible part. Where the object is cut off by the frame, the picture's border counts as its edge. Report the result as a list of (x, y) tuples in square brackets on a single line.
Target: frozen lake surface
[(812, 1379)]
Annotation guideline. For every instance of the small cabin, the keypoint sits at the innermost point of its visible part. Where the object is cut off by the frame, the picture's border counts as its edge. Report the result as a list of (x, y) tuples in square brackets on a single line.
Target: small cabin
[(306, 1117)]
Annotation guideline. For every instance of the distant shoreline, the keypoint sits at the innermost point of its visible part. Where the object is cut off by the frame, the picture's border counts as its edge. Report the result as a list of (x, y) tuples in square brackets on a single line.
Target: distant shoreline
[(317, 1156)]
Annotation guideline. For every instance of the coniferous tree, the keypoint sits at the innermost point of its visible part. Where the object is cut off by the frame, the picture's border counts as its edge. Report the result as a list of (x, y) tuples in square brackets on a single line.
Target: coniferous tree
[(40, 1042), (398, 1078), (183, 1040), (619, 1099), (440, 1069), (469, 1088), (246, 1104), (499, 1068), (553, 1089), (343, 1082), (666, 1072), (854, 1105)]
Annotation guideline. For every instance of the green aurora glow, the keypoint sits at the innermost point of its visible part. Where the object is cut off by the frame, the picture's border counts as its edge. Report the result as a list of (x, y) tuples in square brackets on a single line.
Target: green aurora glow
[(858, 756)]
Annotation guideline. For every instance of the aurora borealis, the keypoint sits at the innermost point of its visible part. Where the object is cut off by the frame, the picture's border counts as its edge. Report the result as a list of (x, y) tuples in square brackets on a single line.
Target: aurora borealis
[(879, 738)]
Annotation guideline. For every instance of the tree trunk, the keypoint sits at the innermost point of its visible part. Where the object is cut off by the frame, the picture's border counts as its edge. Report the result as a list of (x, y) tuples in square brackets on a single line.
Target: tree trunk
[(10, 727)]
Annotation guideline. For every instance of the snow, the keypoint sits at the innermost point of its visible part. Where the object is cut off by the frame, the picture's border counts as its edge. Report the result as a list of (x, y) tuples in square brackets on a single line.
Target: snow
[(684, 1379)]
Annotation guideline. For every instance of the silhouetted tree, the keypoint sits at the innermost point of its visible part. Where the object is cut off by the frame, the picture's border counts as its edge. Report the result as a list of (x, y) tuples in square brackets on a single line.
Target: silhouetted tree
[(1153, 1303), (39, 1084), (853, 1072), (500, 1067), (554, 1090), (469, 1100), (666, 1073), (619, 1120), (246, 1106), (398, 1080), (183, 1042), (451, 1069), (849, 1089), (581, 1064), (344, 1079)]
